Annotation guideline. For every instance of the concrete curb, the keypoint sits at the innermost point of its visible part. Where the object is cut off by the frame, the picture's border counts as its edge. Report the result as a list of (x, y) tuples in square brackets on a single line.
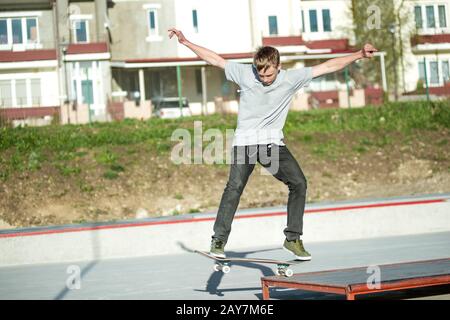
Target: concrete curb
[(253, 227)]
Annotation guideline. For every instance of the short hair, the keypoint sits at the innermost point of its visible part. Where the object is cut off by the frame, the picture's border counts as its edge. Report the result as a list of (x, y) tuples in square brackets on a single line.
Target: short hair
[(266, 57)]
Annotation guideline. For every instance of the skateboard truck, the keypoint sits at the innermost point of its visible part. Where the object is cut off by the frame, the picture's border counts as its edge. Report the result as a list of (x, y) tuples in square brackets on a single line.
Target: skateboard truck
[(223, 264)]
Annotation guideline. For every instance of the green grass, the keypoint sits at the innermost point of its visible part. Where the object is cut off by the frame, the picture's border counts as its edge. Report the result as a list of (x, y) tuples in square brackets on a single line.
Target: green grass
[(178, 196), (110, 174), (29, 148)]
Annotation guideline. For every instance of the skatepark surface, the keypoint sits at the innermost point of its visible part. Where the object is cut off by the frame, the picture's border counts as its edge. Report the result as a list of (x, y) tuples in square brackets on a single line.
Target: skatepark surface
[(189, 276)]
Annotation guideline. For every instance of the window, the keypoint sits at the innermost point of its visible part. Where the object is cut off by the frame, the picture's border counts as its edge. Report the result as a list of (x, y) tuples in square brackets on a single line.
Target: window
[(435, 16), (430, 17), (313, 21), (31, 30), (81, 31), (17, 30), (35, 91), (152, 18), (21, 92), (442, 18), (3, 31), (5, 93), (326, 20), (198, 80), (74, 90), (153, 22), (273, 25), (445, 71), (422, 71), (434, 72), (87, 92), (418, 15), (195, 20)]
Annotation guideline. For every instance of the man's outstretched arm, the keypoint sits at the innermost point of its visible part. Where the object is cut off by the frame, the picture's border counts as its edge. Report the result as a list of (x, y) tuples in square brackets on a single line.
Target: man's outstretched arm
[(340, 63), (205, 54)]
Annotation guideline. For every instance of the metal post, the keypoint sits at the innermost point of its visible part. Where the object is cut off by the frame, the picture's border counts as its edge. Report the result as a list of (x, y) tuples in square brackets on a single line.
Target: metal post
[(426, 79), (383, 73), (392, 30), (348, 87), (141, 85), (395, 73), (204, 92), (180, 96), (66, 101)]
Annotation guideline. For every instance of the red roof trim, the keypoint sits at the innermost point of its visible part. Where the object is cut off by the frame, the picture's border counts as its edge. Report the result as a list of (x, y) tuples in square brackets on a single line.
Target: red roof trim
[(29, 55), (82, 48), (174, 59), (283, 41), (334, 44), (225, 56), (434, 38), (23, 113)]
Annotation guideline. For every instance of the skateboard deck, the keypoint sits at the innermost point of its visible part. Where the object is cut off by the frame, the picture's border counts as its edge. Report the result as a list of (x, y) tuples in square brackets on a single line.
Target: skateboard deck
[(223, 264)]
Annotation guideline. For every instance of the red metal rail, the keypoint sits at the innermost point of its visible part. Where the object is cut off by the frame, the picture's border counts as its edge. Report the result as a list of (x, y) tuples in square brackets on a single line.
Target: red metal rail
[(350, 288)]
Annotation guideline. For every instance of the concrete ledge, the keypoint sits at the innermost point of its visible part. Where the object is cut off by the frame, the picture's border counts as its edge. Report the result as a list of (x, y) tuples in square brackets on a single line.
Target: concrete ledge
[(256, 227)]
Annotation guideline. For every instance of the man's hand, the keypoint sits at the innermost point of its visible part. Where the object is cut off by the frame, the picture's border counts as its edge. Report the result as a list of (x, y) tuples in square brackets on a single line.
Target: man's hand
[(205, 54), (368, 51), (336, 64), (179, 34)]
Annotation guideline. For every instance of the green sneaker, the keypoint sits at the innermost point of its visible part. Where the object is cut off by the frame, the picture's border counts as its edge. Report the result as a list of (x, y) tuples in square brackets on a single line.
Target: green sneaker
[(217, 248), (297, 249)]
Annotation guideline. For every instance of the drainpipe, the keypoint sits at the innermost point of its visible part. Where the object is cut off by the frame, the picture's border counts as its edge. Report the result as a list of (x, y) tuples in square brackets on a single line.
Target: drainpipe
[(426, 79), (348, 87), (253, 29), (58, 54)]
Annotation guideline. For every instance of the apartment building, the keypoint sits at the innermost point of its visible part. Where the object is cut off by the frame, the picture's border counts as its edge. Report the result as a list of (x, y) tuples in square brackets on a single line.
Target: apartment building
[(427, 54), (147, 66), (98, 60), (54, 61), (28, 61)]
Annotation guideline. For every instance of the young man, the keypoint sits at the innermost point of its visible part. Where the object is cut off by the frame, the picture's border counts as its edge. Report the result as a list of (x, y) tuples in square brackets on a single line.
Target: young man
[(266, 92)]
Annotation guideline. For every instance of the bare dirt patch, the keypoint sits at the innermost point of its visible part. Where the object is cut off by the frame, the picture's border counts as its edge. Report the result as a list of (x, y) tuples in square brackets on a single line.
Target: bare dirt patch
[(337, 166)]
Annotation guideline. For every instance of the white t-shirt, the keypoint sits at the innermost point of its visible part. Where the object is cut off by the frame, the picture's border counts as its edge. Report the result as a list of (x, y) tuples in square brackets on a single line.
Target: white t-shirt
[(263, 109)]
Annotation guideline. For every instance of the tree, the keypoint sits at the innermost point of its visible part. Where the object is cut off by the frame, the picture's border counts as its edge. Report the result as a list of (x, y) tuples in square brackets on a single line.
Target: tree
[(381, 23)]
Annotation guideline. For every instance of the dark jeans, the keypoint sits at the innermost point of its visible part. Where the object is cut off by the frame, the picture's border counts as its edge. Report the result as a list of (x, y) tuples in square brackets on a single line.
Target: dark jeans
[(283, 166)]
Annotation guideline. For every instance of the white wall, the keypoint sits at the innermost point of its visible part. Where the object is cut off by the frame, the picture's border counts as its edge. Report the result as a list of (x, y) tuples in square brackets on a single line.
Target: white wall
[(48, 79), (322, 222), (287, 12), (341, 19), (224, 26)]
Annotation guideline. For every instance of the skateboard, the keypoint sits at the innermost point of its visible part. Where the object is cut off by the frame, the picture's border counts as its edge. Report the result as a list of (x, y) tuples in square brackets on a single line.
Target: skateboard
[(223, 264)]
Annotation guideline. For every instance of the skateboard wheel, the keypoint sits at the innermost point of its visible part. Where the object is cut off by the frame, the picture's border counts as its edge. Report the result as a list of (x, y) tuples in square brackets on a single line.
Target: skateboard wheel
[(226, 269), (289, 273), (216, 267)]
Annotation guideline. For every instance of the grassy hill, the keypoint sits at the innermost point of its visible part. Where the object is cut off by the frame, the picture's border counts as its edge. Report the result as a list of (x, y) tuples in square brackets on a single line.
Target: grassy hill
[(107, 171)]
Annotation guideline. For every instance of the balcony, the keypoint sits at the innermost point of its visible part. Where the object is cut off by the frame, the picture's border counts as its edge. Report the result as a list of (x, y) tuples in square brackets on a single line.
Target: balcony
[(430, 43), (25, 4), (314, 46)]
